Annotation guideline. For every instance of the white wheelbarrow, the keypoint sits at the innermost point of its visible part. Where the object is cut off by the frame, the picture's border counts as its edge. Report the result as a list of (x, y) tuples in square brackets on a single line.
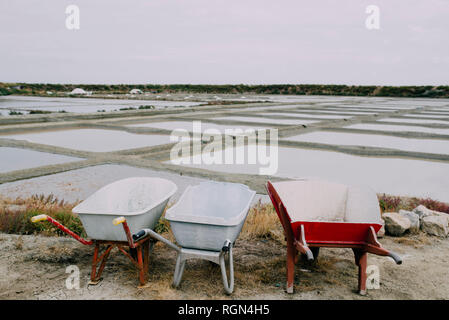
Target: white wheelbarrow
[(136, 203)]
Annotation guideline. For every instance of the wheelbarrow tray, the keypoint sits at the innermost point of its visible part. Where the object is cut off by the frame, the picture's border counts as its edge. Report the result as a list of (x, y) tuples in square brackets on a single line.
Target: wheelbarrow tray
[(142, 200), (206, 222), (330, 233), (333, 233), (210, 213)]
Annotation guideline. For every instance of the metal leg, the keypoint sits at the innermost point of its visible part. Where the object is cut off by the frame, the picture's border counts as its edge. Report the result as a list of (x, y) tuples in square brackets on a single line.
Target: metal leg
[(229, 287), (94, 265), (291, 253), (217, 257), (141, 267), (179, 269), (146, 257), (95, 276), (103, 261), (361, 259)]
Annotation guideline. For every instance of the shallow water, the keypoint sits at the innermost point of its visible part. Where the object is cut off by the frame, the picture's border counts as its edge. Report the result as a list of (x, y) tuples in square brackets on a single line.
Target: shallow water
[(436, 113), (355, 106), (82, 105), (419, 116), (373, 140), (355, 113), (445, 109), (411, 120), (188, 125), (281, 107), (387, 127), (96, 140), (267, 120), (385, 175), (18, 159), (293, 115), (382, 107)]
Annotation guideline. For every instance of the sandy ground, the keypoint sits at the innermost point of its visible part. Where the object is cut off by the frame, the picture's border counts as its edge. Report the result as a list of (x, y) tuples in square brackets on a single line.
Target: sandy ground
[(34, 267)]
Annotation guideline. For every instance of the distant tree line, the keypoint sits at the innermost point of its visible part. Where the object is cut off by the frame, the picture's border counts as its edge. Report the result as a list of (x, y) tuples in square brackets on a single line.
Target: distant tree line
[(289, 89)]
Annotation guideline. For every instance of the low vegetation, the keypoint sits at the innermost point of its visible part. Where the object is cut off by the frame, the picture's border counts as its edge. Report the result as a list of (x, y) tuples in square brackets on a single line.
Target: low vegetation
[(15, 215), (289, 89), (262, 223), (146, 107), (15, 113), (18, 113), (39, 112), (394, 204)]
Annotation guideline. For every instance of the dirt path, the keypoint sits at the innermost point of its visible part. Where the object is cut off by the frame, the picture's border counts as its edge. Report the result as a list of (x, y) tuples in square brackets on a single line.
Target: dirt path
[(33, 267)]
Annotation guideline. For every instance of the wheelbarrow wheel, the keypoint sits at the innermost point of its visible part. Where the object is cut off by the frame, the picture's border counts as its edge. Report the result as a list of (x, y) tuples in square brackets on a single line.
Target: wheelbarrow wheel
[(315, 252), (133, 253)]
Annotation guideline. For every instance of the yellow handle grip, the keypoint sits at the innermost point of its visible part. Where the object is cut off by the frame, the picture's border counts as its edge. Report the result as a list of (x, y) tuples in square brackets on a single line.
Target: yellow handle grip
[(38, 218), (118, 221)]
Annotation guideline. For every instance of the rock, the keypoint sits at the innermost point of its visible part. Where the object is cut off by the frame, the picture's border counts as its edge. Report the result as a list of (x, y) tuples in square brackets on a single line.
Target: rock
[(413, 218), (395, 224), (422, 212), (435, 225), (381, 232)]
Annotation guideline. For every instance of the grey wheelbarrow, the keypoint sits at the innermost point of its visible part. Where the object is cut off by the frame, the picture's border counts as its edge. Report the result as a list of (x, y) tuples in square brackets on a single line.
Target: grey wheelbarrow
[(206, 222)]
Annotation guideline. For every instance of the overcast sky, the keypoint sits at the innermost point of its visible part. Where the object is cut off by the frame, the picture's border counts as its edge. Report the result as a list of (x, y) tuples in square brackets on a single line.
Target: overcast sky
[(221, 42)]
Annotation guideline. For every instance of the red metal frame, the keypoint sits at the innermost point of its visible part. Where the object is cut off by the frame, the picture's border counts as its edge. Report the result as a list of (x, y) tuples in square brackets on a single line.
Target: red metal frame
[(142, 251), (302, 236), (141, 262)]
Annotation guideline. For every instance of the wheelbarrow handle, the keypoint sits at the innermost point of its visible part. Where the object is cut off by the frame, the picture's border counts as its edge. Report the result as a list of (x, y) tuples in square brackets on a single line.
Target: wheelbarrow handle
[(148, 232), (122, 221), (44, 217), (309, 254), (41, 217), (395, 257), (227, 245), (118, 221), (139, 235)]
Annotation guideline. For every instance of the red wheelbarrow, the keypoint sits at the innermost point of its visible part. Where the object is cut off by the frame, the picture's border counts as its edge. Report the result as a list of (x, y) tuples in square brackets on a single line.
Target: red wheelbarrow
[(318, 214)]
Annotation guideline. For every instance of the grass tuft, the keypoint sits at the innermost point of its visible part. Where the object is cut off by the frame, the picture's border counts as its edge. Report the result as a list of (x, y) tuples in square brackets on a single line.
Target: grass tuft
[(15, 215), (262, 223)]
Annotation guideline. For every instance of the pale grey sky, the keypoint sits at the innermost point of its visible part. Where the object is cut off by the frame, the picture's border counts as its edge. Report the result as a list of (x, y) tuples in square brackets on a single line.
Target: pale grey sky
[(218, 42)]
